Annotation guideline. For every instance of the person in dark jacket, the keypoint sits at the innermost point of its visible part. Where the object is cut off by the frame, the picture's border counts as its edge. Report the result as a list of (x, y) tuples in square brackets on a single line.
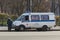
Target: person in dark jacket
[(9, 23)]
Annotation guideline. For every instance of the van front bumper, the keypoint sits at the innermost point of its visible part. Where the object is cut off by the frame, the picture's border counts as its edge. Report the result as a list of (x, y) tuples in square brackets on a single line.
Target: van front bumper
[(13, 26)]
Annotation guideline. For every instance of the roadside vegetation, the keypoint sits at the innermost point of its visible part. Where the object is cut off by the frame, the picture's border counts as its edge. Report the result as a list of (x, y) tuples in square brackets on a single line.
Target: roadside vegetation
[(57, 20), (4, 17)]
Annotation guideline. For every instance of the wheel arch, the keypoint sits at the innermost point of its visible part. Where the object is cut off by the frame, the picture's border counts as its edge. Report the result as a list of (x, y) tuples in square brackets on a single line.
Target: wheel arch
[(45, 26), (22, 25)]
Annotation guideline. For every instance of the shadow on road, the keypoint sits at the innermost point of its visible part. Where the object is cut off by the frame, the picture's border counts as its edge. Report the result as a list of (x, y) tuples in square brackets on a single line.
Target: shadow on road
[(26, 31)]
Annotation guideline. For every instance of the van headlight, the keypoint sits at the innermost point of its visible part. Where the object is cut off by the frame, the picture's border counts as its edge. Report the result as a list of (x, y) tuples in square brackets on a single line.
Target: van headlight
[(13, 25)]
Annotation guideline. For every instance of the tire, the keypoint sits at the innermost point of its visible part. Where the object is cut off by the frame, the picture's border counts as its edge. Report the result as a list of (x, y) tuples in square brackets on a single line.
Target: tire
[(44, 28), (22, 28)]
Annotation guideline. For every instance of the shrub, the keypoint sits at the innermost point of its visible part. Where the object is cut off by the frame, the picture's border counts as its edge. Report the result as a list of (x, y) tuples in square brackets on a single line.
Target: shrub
[(13, 17), (2, 15), (3, 18), (57, 20)]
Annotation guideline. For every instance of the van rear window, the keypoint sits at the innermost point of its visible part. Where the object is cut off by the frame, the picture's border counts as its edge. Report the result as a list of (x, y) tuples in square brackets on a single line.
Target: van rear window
[(35, 17), (44, 17)]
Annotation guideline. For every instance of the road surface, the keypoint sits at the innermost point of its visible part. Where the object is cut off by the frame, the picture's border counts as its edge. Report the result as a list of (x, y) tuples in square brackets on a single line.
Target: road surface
[(50, 35)]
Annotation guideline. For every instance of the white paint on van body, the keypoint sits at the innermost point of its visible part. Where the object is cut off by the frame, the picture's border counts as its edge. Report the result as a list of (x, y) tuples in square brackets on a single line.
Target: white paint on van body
[(37, 24)]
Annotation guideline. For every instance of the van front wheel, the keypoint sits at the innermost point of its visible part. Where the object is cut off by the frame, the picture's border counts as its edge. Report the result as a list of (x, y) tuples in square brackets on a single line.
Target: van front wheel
[(22, 28)]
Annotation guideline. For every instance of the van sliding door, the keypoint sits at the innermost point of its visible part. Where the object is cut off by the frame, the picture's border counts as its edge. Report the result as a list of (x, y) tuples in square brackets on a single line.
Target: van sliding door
[(35, 21)]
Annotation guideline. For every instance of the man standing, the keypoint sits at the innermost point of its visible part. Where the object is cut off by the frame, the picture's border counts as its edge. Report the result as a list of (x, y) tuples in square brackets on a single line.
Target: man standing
[(9, 22)]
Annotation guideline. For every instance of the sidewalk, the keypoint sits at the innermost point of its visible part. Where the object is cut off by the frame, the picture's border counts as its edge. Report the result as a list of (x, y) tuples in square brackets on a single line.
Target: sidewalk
[(57, 28), (3, 28)]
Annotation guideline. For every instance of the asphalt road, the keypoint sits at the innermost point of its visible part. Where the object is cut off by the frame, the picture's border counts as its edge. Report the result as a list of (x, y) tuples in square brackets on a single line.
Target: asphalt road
[(50, 35)]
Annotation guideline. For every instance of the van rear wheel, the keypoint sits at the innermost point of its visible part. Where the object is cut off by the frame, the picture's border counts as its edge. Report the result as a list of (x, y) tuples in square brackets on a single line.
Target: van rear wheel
[(44, 28)]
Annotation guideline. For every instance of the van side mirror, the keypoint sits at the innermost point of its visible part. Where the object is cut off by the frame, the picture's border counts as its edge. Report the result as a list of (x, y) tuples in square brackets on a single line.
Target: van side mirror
[(22, 21)]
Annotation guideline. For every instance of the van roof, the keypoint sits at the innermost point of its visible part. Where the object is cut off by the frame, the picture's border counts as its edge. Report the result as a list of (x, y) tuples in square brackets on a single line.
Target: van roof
[(49, 13)]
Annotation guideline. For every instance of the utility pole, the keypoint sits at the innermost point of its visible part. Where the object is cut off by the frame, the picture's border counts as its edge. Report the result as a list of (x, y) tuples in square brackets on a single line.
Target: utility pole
[(28, 5), (1, 6), (59, 6), (31, 5), (53, 6)]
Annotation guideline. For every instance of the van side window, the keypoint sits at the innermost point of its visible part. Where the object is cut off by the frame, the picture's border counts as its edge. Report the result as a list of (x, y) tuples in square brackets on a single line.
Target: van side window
[(44, 17), (26, 18), (35, 18)]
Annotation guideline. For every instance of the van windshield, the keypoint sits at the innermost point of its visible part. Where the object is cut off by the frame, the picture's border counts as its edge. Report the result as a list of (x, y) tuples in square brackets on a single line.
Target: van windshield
[(23, 18), (18, 19)]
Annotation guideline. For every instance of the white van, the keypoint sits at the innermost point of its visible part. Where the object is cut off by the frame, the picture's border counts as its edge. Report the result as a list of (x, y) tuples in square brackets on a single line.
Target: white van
[(39, 21)]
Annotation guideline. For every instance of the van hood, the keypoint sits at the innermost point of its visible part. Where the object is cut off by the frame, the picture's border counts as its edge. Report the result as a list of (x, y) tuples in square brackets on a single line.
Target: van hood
[(16, 23)]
